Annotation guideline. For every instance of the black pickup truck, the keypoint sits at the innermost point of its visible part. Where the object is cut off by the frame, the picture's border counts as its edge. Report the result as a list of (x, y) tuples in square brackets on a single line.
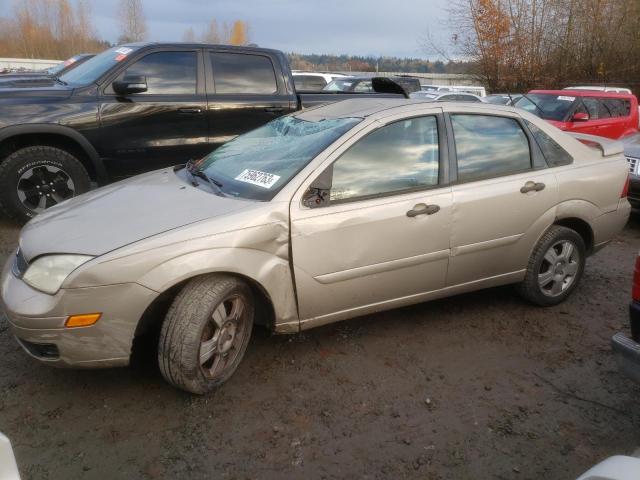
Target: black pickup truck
[(135, 108)]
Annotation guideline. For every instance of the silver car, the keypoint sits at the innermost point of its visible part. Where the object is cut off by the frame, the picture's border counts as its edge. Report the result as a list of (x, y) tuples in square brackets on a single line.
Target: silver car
[(327, 214)]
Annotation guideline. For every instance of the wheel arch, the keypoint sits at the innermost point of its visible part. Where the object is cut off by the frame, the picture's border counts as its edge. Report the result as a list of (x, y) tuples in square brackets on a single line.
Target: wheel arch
[(581, 227), (19, 136), (148, 328)]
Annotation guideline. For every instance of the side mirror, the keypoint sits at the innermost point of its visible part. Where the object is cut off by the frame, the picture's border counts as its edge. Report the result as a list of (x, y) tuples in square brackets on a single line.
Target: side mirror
[(130, 84), (580, 117), (319, 192)]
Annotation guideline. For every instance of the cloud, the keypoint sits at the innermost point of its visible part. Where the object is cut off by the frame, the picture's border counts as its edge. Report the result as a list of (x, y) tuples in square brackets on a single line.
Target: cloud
[(356, 27)]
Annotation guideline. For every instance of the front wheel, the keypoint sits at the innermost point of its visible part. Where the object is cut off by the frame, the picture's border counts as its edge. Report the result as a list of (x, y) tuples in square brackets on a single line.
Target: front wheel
[(38, 177), (555, 267), (206, 332)]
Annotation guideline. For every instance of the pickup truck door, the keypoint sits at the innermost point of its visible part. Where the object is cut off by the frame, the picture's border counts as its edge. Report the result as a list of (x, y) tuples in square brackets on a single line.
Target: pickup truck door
[(166, 125), (383, 240), (245, 90)]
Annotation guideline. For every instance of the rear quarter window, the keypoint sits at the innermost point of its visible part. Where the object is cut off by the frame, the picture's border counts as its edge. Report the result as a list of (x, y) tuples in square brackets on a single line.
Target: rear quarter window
[(553, 153)]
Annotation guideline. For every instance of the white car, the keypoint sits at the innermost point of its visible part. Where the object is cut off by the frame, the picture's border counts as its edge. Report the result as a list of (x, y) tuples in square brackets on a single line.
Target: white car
[(313, 81), (474, 90), (600, 89), (8, 466), (618, 467)]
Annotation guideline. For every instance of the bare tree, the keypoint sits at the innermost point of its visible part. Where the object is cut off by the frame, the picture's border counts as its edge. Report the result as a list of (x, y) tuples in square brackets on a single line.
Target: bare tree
[(212, 34), (133, 26), (48, 29), (189, 35)]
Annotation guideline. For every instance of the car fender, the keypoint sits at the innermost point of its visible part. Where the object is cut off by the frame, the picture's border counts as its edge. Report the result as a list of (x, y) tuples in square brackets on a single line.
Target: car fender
[(577, 208), (35, 128), (270, 272)]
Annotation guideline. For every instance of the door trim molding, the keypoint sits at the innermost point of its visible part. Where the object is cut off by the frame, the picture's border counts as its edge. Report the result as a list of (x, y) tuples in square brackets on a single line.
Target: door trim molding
[(486, 245), (372, 269)]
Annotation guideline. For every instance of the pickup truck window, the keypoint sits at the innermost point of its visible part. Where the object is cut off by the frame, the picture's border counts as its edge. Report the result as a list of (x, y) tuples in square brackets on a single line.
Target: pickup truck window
[(166, 72), (396, 158), (243, 74), (95, 67), (595, 108), (489, 146), (258, 164)]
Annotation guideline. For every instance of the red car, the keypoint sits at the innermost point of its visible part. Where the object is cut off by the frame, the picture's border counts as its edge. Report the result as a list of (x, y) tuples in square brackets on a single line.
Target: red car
[(611, 115)]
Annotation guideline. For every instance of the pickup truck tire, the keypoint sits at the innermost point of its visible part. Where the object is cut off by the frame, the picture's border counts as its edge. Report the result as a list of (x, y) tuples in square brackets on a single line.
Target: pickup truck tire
[(38, 177), (555, 267), (206, 332)]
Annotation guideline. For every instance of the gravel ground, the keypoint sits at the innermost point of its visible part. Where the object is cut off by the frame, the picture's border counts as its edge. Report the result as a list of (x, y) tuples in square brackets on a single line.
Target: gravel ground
[(478, 386)]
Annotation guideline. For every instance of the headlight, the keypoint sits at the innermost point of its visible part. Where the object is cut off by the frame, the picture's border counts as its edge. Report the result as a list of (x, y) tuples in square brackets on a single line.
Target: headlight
[(47, 273)]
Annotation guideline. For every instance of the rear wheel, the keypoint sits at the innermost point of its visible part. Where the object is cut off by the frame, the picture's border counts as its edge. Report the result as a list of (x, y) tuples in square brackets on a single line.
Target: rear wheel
[(206, 332), (555, 267), (33, 179)]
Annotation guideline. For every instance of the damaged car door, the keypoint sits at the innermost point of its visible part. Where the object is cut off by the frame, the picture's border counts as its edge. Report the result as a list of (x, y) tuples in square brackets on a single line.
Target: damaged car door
[(373, 228)]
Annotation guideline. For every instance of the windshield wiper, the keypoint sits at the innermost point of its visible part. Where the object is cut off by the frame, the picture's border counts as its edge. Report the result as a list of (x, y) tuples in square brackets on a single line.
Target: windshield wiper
[(216, 186), (57, 79), (534, 104)]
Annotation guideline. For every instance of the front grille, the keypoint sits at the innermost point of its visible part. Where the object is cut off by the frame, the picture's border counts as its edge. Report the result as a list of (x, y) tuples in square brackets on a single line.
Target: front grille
[(634, 165), (20, 264)]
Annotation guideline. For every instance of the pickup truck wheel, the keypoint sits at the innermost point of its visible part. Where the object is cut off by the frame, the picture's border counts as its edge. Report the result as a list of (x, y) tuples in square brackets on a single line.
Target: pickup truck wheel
[(35, 178), (206, 332), (555, 267)]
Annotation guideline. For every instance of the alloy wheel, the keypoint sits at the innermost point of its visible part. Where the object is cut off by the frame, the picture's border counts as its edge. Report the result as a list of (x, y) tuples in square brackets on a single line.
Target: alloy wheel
[(43, 186), (223, 337), (559, 268)]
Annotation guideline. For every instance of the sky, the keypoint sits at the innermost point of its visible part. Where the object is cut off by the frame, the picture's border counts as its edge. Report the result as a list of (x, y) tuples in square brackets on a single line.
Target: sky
[(355, 27)]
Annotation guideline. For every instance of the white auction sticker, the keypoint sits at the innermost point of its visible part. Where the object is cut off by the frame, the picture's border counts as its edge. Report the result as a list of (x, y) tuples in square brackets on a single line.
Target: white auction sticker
[(256, 177), (124, 50), (566, 99)]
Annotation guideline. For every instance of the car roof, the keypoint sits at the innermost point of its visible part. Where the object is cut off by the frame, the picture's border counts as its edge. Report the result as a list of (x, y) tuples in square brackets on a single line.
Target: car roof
[(241, 48), (582, 93), (365, 107)]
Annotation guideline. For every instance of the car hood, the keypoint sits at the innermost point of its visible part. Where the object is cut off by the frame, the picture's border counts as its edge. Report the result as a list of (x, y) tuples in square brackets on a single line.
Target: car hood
[(41, 86), (120, 214)]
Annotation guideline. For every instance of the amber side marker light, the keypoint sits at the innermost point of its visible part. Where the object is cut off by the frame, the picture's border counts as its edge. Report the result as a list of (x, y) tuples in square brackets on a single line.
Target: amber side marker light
[(84, 320)]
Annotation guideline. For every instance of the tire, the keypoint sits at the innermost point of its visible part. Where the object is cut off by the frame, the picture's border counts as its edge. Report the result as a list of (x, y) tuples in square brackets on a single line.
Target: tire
[(202, 318), (550, 278), (30, 176)]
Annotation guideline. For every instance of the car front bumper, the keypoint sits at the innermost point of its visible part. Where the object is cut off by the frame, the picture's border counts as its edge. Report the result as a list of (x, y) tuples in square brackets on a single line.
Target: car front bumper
[(38, 321), (627, 350), (634, 192)]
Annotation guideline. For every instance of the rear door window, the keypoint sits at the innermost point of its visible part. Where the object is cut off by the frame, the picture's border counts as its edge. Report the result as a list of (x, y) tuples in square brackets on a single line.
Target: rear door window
[(235, 73), (489, 146)]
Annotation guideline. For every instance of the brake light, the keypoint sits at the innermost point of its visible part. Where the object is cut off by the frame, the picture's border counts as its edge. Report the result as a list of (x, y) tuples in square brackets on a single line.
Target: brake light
[(635, 291), (625, 189)]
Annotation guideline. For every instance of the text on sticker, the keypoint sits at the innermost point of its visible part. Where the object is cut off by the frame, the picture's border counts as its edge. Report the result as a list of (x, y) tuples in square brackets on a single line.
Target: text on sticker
[(256, 177)]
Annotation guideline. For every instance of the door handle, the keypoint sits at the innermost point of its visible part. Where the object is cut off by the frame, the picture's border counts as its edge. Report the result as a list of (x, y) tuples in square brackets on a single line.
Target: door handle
[(190, 110), (423, 209), (532, 187), (274, 109)]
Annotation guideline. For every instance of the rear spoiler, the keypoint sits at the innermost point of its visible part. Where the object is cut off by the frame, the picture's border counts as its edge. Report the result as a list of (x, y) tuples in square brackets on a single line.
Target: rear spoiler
[(386, 85), (607, 146)]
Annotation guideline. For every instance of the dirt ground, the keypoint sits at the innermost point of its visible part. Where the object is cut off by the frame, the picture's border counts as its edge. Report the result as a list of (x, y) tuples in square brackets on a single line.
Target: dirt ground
[(478, 386)]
